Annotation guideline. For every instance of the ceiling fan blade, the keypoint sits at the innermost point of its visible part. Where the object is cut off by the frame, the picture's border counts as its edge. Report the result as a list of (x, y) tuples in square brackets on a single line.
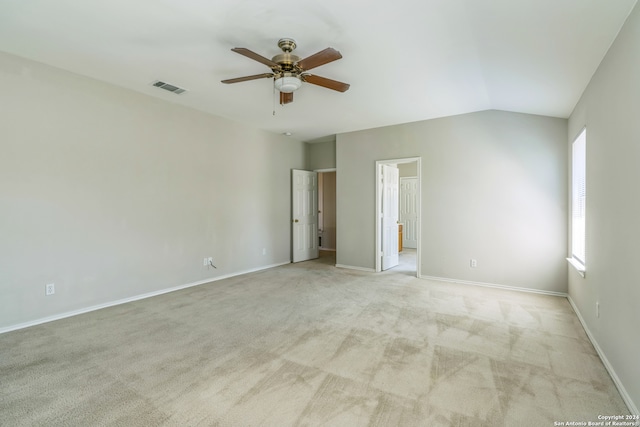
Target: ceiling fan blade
[(325, 82), (318, 59), (244, 79), (250, 54), (286, 98)]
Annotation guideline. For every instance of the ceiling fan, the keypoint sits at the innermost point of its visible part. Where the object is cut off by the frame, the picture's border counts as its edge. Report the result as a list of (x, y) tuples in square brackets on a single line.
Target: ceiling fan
[(289, 71)]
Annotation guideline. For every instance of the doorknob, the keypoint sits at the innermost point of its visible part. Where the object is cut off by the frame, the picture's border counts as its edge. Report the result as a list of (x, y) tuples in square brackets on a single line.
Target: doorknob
[(295, 220)]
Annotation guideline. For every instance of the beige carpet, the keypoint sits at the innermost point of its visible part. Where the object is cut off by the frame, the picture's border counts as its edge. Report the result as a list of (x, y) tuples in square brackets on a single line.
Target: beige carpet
[(305, 345)]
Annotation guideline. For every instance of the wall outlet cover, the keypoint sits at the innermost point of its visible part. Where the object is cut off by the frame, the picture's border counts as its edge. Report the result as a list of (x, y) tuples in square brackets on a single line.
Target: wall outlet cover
[(50, 289)]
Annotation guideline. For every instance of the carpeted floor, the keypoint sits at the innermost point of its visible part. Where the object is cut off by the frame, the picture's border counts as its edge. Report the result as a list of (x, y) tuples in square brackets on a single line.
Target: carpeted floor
[(308, 344)]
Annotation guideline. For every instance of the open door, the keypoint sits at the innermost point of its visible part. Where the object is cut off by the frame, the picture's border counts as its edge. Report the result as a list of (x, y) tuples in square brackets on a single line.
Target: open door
[(304, 215), (409, 211), (390, 218)]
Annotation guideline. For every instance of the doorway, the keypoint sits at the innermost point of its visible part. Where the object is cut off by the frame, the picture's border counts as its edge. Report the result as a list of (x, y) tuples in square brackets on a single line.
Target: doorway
[(313, 214), (392, 210), (327, 210)]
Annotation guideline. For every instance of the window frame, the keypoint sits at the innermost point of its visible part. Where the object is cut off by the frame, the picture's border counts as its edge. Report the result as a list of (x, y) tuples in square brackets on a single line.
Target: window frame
[(578, 201)]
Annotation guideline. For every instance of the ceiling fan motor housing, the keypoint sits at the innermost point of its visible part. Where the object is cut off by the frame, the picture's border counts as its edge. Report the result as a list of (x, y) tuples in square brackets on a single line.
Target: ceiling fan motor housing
[(286, 61)]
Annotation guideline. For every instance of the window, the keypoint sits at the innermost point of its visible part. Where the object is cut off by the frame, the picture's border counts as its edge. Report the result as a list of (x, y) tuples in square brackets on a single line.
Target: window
[(578, 200)]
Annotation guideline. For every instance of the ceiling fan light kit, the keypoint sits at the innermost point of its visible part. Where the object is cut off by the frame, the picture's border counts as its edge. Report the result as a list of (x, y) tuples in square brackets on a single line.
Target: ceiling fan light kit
[(289, 71), (287, 84)]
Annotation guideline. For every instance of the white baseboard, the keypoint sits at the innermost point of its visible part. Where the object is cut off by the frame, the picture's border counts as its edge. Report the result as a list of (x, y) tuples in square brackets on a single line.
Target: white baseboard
[(623, 392), (493, 285), (131, 299), (353, 267)]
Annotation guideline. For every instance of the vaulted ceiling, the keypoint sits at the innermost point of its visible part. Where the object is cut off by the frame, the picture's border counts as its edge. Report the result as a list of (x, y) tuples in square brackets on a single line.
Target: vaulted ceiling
[(406, 60)]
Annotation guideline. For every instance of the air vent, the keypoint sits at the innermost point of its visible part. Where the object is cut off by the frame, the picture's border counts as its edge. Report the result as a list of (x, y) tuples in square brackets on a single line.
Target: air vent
[(167, 86)]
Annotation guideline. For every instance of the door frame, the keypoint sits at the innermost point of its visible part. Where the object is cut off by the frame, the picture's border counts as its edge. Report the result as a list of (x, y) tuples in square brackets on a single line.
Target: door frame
[(378, 222)]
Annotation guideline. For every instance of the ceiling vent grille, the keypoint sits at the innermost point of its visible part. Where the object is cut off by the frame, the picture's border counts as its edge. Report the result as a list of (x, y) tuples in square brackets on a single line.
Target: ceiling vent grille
[(167, 86)]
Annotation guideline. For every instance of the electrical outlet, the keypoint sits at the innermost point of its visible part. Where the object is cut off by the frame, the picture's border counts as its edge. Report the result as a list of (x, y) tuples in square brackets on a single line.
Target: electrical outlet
[(206, 261), (264, 251), (597, 308), (473, 263), (50, 289)]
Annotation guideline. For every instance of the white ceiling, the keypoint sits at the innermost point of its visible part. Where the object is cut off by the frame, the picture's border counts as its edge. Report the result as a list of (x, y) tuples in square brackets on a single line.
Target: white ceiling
[(406, 60)]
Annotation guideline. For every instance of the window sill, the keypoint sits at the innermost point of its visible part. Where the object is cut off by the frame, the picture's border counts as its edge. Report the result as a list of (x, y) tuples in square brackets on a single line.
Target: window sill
[(577, 265)]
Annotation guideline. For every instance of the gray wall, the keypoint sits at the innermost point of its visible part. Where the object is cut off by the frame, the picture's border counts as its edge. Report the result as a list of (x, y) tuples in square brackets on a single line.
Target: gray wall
[(321, 155), (610, 109), (112, 194), (494, 188)]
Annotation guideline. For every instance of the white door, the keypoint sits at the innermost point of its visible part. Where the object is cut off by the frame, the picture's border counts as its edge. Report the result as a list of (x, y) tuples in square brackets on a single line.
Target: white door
[(304, 214), (409, 211), (390, 187)]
